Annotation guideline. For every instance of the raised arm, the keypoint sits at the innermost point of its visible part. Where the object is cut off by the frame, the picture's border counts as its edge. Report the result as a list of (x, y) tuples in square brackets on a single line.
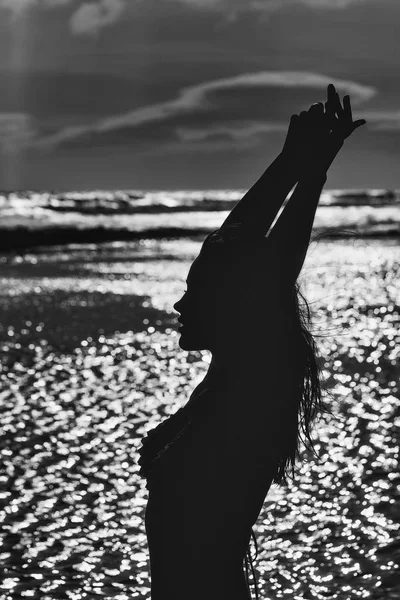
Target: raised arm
[(290, 237), (260, 205), (325, 131)]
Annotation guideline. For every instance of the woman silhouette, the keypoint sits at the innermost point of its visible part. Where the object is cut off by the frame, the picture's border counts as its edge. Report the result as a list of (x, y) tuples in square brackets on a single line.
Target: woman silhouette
[(210, 465)]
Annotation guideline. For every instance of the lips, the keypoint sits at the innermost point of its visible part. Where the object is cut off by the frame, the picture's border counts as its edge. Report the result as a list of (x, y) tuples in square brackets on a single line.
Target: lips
[(183, 323)]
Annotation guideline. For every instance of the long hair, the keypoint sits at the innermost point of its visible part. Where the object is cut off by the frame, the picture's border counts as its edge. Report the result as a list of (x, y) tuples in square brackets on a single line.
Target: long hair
[(232, 241), (308, 382), (309, 386)]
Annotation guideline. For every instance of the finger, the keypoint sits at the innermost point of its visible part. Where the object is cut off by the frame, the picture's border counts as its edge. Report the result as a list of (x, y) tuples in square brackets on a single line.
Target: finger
[(329, 105), (347, 107), (294, 120), (317, 107), (322, 120), (359, 123), (331, 92), (302, 121), (338, 106), (330, 115), (304, 118), (316, 112)]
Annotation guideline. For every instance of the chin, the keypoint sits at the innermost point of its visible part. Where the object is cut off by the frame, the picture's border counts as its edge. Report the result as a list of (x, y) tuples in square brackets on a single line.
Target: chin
[(191, 342)]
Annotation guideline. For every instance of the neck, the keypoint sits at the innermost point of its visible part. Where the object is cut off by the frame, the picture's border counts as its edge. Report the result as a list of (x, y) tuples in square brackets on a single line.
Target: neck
[(217, 369), (237, 371)]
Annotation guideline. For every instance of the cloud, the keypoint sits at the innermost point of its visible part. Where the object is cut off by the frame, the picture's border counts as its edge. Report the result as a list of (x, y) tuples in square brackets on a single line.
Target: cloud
[(231, 9), (210, 100), (242, 135), (236, 6), (381, 120), (93, 16), (331, 3), (17, 130), (89, 17), (104, 12), (18, 6), (238, 131)]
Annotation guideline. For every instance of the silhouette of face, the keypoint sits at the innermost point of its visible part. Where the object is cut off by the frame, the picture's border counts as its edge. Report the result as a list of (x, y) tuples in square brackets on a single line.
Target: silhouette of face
[(198, 307)]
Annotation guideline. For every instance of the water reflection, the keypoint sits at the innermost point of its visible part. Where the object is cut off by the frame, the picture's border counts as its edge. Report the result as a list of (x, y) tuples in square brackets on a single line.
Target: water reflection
[(71, 422)]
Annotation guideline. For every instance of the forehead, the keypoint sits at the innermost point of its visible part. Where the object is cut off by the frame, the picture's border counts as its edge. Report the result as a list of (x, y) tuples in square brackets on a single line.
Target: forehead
[(202, 269)]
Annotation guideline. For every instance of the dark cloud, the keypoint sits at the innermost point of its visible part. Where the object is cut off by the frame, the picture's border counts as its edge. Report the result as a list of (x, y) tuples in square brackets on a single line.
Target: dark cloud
[(47, 94), (118, 79), (88, 17), (268, 97)]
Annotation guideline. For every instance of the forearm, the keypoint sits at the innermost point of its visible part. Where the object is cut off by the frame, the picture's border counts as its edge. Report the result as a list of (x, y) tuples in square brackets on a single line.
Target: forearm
[(290, 237), (260, 205)]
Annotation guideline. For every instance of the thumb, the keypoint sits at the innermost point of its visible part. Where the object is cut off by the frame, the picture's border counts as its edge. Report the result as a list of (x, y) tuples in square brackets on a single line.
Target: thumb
[(359, 123)]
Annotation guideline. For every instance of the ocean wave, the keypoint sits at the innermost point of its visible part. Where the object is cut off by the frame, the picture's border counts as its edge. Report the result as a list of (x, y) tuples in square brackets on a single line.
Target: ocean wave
[(23, 238), (137, 202), (44, 218)]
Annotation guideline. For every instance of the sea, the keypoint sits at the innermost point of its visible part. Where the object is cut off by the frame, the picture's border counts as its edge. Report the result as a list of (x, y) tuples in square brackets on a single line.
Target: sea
[(33, 217), (90, 362)]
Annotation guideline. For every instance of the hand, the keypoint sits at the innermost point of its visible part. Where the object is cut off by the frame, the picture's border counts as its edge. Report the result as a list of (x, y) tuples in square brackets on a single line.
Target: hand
[(340, 118), (315, 136), (307, 135), (296, 136)]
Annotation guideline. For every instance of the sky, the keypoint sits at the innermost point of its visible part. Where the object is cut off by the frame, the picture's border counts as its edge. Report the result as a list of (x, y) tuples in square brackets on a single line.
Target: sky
[(190, 94)]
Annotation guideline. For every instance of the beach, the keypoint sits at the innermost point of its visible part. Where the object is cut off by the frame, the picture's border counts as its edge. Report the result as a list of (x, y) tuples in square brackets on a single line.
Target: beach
[(91, 362)]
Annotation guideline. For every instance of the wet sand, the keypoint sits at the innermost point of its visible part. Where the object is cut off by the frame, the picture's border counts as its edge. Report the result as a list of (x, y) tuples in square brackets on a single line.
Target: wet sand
[(90, 362)]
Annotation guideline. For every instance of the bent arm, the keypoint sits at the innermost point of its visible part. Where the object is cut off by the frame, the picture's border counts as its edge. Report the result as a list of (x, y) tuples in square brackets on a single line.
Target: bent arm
[(290, 237), (260, 205)]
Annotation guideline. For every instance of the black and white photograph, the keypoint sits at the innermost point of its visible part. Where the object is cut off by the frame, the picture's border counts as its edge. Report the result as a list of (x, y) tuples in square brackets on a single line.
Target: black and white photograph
[(200, 299)]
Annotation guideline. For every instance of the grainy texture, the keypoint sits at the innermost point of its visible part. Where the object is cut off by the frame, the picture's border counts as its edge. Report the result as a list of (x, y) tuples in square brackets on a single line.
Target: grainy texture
[(90, 362)]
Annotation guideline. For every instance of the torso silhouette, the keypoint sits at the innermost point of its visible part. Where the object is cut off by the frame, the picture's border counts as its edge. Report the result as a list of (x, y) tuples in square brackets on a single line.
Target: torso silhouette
[(210, 465), (209, 468)]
